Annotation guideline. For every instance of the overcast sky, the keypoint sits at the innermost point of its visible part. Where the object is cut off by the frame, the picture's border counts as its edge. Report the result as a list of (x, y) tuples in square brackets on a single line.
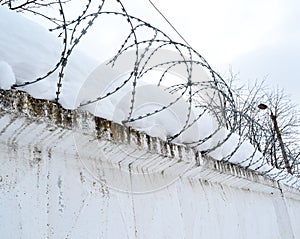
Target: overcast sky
[(257, 38)]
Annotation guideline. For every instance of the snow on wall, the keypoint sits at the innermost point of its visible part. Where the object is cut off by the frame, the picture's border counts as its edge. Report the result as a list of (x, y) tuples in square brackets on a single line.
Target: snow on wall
[(28, 52), (68, 174)]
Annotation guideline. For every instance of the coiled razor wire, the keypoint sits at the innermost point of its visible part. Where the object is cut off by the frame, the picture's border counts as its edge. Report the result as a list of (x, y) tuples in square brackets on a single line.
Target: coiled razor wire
[(221, 103)]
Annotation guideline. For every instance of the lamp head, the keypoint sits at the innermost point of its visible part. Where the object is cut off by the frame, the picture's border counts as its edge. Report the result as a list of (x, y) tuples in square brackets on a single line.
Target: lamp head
[(262, 106)]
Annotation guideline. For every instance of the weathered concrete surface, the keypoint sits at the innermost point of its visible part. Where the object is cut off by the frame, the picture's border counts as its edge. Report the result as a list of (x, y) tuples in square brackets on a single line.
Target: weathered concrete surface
[(68, 174)]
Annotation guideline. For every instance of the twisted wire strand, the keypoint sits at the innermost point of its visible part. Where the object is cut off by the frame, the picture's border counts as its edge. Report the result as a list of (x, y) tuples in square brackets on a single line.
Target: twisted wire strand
[(220, 104)]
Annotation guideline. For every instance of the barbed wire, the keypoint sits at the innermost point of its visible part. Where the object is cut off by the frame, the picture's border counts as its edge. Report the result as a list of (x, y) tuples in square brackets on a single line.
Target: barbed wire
[(212, 95)]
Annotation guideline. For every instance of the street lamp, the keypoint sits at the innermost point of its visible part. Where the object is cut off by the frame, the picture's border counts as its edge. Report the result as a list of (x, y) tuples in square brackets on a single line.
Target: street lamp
[(273, 116)]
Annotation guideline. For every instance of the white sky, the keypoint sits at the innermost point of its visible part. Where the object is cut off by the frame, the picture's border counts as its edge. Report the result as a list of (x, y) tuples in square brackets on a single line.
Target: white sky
[(257, 38)]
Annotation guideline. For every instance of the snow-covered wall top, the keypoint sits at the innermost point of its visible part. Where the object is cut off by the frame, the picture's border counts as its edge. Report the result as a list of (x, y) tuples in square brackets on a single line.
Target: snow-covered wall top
[(89, 132), (159, 162), (152, 84), (69, 174)]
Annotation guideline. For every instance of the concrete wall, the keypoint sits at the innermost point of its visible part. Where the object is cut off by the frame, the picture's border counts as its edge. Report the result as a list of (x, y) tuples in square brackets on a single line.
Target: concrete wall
[(67, 174)]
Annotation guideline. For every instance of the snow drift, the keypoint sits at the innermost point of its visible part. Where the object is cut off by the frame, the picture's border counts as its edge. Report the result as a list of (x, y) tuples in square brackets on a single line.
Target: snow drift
[(29, 51)]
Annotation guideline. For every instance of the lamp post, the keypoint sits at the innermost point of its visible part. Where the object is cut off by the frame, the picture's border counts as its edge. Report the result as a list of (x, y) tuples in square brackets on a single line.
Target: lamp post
[(279, 137)]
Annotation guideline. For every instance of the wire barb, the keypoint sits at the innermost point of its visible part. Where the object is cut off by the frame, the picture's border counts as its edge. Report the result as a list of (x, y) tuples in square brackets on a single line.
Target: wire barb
[(211, 95)]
